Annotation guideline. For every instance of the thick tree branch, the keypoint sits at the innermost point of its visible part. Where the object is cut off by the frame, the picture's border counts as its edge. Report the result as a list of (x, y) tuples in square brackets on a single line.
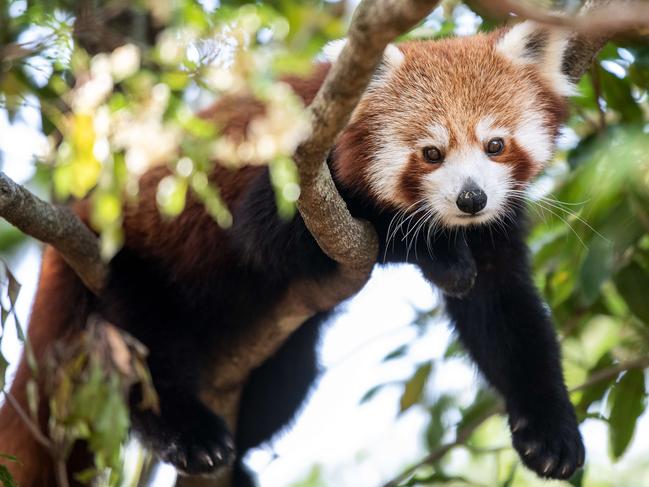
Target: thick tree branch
[(375, 23), (57, 226)]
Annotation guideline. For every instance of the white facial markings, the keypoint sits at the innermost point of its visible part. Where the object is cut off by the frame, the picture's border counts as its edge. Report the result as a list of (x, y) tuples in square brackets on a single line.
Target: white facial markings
[(533, 136), (389, 160), (444, 185), (439, 137), (487, 130)]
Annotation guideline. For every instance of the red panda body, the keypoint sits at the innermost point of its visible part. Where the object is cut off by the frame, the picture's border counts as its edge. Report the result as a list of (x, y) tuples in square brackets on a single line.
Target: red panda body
[(445, 138)]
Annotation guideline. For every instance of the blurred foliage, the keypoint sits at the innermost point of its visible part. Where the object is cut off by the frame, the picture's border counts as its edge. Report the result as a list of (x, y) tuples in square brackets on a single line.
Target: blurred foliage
[(117, 87), (87, 382), (118, 96)]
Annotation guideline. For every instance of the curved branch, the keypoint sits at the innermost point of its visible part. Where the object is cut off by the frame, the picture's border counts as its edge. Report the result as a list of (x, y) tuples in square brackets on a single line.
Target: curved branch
[(348, 241), (57, 226)]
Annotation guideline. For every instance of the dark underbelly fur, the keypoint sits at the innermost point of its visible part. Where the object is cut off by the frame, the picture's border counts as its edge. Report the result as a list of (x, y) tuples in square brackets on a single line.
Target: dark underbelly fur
[(500, 319)]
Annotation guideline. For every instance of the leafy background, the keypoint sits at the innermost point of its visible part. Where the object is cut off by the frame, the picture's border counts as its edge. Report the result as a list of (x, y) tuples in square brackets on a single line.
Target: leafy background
[(590, 236)]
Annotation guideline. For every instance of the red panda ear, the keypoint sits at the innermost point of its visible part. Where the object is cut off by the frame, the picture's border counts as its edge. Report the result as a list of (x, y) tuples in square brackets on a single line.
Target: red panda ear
[(393, 57), (544, 47)]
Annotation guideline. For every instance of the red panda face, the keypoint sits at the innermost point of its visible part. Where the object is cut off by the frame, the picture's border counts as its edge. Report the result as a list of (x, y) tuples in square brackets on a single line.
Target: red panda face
[(452, 128)]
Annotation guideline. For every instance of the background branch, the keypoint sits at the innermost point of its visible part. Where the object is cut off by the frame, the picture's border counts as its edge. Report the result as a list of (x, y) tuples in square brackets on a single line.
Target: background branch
[(57, 226), (465, 433)]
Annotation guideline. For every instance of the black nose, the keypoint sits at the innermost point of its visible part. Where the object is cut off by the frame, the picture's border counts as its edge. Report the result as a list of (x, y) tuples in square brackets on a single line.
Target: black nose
[(471, 199)]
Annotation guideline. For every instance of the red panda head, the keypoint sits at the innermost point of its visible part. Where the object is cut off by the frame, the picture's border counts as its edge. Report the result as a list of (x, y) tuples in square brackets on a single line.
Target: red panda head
[(455, 126)]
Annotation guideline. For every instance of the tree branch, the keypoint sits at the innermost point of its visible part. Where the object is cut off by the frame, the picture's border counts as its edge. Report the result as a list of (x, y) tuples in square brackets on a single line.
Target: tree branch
[(595, 24), (348, 241), (54, 225)]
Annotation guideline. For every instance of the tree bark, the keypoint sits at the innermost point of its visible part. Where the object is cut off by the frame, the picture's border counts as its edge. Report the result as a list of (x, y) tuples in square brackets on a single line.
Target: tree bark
[(54, 225)]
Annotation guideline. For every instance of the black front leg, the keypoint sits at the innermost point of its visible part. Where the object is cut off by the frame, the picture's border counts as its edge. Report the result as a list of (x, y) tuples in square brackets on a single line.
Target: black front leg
[(451, 266), (508, 332)]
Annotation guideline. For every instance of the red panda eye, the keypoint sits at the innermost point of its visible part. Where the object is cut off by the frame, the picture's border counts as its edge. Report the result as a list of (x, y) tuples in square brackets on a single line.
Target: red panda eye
[(495, 146), (433, 155)]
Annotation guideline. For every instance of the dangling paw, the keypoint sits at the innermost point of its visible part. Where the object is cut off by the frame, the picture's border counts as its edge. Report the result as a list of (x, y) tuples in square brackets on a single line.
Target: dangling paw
[(550, 446), (186, 434), (200, 446)]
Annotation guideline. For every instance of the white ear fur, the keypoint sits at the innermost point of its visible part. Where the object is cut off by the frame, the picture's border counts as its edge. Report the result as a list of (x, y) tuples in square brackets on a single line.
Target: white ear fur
[(392, 56), (544, 47)]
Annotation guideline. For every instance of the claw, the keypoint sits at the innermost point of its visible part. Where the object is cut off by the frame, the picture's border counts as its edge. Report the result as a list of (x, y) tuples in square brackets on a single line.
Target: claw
[(548, 466), (519, 425), (207, 459), (530, 450)]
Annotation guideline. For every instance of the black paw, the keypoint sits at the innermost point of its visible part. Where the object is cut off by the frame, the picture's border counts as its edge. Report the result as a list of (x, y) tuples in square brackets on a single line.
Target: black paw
[(187, 435), (200, 446), (552, 447), (457, 281)]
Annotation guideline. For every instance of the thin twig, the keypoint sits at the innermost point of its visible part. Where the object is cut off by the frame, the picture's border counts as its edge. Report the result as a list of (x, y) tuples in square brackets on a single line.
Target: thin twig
[(612, 372), (597, 89), (61, 473), (465, 433), (462, 436), (31, 425)]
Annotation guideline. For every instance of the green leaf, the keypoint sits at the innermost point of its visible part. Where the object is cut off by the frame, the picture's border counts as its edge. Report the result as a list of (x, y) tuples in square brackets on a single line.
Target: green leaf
[(577, 480), (596, 269), (436, 426), (3, 370), (618, 95), (483, 402), (370, 394), (396, 353), (596, 391), (454, 349), (414, 388), (632, 283), (627, 402), (5, 477), (13, 288), (509, 481)]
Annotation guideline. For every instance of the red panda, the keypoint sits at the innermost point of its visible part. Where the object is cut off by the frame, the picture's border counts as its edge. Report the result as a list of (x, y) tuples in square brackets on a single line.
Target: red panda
[(446, 136)]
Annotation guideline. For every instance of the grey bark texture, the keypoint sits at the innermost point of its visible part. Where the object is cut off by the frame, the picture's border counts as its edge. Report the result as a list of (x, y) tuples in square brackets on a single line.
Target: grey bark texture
[(54, 225)]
